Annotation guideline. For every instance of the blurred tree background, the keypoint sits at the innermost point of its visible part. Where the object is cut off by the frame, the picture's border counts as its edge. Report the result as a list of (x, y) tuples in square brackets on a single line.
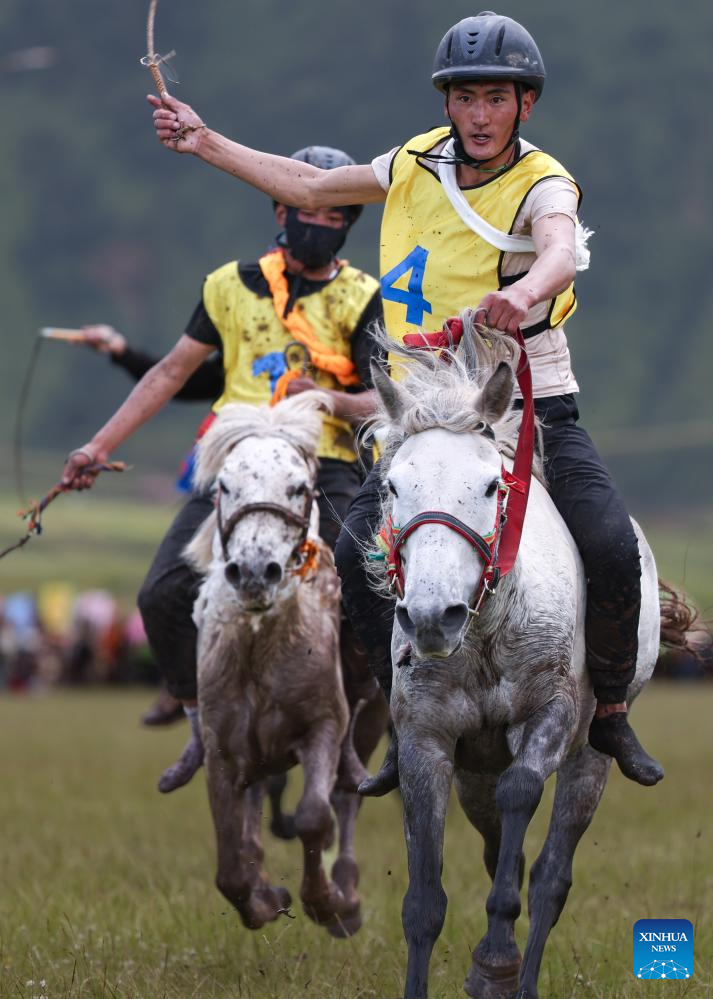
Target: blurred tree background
[(100, 224)]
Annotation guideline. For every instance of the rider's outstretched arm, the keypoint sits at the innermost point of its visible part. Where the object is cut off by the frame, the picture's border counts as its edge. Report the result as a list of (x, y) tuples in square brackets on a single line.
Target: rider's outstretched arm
[(285, 180), (151, 394)]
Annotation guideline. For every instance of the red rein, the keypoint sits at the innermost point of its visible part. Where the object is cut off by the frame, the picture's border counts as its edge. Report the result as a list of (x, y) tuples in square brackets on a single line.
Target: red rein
[(498, 549)]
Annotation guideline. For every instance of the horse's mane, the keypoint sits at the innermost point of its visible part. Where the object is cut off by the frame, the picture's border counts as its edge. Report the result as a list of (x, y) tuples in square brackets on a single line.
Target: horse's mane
[(297, 419), (447, 395)]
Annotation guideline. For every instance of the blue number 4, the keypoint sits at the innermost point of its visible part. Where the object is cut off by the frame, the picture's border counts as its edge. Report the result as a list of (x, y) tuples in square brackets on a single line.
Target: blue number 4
[(413, 299)]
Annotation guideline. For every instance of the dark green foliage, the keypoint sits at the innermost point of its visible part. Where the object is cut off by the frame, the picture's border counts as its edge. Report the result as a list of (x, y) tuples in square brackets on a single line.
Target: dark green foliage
[(101, 224)]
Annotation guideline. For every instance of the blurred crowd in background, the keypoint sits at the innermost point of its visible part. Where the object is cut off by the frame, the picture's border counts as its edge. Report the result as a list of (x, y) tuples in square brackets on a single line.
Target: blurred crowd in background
[(61, 636)]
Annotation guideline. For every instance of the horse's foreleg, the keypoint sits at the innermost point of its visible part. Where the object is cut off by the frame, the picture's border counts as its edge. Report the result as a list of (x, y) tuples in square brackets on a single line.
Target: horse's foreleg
[(227, 804), (371, 723), (321, 898), (345, 871), (477, 797), (580, 783), (266, 903), (282, 824), (236, 816), (496, 960), (368, 710), (426, 771)]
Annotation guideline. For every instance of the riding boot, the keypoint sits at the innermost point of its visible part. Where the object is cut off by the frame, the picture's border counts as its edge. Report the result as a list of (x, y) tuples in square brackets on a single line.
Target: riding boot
[(165, 710), (612, 735), (190, 760), (612, 647)]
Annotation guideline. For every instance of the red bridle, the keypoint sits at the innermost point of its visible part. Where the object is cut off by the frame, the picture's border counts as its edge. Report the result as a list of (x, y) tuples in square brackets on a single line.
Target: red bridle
[(499, 548)]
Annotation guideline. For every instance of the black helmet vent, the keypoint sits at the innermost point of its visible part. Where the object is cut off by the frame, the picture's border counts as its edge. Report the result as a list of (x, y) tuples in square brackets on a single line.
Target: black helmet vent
[(449, 48), (472, 43), (499, 42)]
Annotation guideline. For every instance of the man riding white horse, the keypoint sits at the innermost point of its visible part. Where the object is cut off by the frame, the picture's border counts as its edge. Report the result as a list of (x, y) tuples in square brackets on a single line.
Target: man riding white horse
[(433, 265), (298, 298)]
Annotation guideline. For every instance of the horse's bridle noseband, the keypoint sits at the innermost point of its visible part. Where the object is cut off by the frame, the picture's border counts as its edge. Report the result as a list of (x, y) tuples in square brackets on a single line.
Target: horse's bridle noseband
[(226, 528), (487, 545), (499, 548)]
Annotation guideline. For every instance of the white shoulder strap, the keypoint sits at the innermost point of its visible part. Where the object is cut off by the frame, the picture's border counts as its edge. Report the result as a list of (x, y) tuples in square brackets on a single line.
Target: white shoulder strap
[(500, 240)]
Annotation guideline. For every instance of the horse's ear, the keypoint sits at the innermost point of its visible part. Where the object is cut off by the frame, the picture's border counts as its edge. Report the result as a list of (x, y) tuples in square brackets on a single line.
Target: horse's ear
[(392, 395), (495, 400)]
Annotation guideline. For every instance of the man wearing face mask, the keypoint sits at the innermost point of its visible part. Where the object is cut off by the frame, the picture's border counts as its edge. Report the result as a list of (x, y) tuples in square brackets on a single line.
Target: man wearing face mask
[(298, 299)]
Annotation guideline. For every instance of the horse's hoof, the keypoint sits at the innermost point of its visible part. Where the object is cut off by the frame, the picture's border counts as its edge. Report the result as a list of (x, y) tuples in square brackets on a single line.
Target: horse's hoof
[(264, 906), (284, 900), (346, 925), (284, 827), (326, 909), (492, 982), (345, 874)]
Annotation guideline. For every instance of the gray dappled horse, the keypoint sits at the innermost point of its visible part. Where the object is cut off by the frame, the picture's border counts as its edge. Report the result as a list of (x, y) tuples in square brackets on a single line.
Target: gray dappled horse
[(494, 702), (270, 688)]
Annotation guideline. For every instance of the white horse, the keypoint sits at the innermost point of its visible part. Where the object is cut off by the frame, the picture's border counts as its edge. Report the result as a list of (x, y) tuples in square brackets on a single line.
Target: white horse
[(270, 687), (499, 699)]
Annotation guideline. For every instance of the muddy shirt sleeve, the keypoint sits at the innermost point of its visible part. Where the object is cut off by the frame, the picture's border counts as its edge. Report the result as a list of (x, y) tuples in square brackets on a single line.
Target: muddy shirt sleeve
[(206, 382), (201, 328), (135, 362)]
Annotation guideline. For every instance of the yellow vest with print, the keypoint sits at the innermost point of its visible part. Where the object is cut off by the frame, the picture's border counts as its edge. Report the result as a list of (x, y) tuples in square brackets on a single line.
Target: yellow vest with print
[(254, 340), (432, 264)]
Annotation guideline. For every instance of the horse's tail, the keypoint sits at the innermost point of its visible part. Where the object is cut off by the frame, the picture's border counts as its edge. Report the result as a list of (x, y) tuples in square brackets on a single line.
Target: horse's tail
[(682, 630), (678, 615)]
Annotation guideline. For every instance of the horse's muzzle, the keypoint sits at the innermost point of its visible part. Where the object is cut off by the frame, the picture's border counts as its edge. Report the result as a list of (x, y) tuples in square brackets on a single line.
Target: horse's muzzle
[(433, 631), (254, 584)]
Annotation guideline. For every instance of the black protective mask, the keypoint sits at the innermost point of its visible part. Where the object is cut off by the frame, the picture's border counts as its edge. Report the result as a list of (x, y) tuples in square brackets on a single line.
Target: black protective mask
[(313, 245)]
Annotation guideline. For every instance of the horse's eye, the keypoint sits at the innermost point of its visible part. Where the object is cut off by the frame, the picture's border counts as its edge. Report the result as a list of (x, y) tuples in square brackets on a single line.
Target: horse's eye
[(491, 488), (392, 488), (223, 488), (299, 490)]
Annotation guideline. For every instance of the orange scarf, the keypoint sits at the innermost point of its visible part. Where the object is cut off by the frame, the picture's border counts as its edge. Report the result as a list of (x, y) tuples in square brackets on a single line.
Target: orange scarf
[(272, 266)]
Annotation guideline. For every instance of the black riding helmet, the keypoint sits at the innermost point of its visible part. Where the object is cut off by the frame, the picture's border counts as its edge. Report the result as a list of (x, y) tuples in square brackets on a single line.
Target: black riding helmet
[(327, 158), (489, 46)]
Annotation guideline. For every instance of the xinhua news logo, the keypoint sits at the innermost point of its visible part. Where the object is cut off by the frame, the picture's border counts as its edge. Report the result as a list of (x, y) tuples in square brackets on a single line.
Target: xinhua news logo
[(663, 948)]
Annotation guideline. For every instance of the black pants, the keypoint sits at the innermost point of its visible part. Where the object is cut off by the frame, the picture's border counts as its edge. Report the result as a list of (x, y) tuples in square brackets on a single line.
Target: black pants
[(594, 512), (169, 591)]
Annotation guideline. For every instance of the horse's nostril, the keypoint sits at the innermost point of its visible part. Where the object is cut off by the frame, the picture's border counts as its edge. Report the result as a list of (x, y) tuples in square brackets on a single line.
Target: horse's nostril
[(405, 622), (273, 572), (232, 573), (454, 617)]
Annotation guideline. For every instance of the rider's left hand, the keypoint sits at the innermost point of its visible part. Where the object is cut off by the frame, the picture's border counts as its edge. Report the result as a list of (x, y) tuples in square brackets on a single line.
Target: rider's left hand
[(504, 310), (301, 384)]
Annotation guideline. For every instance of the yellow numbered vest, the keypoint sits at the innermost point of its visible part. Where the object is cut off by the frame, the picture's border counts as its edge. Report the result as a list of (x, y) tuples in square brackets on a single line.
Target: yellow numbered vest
[(432, 264), (254, 340)]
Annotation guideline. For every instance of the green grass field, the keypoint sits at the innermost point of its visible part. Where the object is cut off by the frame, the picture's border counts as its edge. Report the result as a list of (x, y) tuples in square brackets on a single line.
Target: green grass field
[(107, 887)]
